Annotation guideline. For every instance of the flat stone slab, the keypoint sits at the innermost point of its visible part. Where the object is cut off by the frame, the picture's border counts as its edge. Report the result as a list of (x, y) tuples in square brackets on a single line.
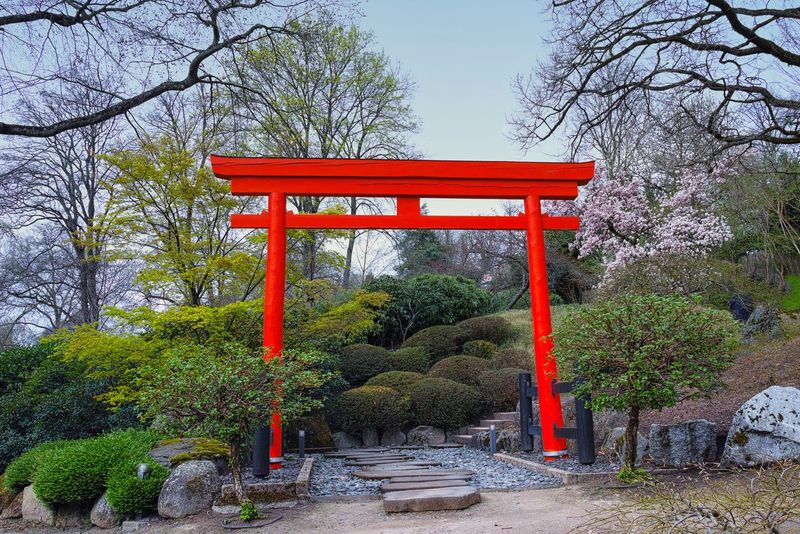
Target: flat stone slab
[(427, 500), (409, 447), (347, 452), (377, 474), (447, 446), (360, 461), (435, 478), (386, 487), (409, 465)]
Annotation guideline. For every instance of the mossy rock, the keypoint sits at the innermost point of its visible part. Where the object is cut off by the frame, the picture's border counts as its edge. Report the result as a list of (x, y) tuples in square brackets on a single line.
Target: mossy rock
[(318, 433), (173, 452)]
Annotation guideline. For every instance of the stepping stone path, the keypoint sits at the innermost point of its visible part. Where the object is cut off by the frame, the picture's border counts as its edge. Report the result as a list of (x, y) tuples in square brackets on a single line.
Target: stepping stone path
[(413, 486)]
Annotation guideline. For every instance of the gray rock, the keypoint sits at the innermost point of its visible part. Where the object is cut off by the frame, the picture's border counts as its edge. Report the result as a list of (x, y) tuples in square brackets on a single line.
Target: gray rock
[(343, 440), (687, 443), (424, 500), (189, 489), (508, 440), (102, 515), (35, 510), (741, 306), (604, 423), (70, 517), (765, 429), (192, 449), (765, 320), (615, 446), (393, 438), (14, 508), (369, 436), (426, 435)]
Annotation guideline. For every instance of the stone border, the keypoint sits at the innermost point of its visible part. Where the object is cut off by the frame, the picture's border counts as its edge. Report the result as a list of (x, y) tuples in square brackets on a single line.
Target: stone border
[(302, 484), (567, 477)]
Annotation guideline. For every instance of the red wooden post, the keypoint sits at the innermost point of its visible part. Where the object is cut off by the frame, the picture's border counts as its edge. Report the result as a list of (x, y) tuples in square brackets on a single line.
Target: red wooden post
[(274, 287), (549, 402)]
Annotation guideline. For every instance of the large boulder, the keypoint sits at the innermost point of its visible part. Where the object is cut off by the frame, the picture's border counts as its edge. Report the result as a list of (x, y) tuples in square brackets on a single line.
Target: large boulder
[(426, 435), (13, 510), (189, 489), (765, 429), (687, 443), (741, 306), (615, 446), (765, 321), (35, 510), (173, 452), (393, 438), (343, 440), (102, 515), (369, 436)]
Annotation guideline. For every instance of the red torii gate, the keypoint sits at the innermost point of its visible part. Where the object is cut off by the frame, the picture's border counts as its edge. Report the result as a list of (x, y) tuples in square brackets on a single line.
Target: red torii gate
[(408, 181)]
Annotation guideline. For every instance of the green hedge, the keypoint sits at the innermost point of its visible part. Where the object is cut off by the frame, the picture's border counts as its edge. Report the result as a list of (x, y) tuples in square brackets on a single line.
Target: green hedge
[(464, 369), (378, 407), (480, 349), (440, 341), (399, 381), (128, 495), (489, 328), (513, 358), (361, 361), (444, 403), (500, 388), (411, 359), (20, 472)]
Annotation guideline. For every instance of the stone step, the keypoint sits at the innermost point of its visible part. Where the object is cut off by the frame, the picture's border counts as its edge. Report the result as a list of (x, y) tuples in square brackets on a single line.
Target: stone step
[(349, 452), (377, 462), (508, 416), (477, 429), (407, 465), (429, 478), (426, 500), (377, 474), (463, 439), (498, 423), (386, 487), (447, 446)]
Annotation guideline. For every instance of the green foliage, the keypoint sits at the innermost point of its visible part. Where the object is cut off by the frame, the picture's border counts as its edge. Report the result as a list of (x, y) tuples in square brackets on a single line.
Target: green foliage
[(444, 403), (361, 362), (488, 327), (202, 448), (379, 407), (439, 341), (427, 300), (420, 252), (128, 495), (18, 363), (480, 349), (791, 301), (411, 359), (20, 472), (464, 369), (633, 475), (6, 496), (400, 381), (500, 388), (248, 511), (513, 357)]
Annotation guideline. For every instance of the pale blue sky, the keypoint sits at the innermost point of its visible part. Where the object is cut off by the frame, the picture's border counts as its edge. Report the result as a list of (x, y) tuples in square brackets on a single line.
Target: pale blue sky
[(463, 56)]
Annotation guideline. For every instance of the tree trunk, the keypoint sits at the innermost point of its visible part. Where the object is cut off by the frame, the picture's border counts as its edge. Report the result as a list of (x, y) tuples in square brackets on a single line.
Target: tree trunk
[(632, 437), (236, 471)]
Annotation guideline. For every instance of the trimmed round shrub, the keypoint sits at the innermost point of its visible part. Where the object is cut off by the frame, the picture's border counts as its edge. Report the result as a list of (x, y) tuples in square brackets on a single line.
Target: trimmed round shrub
[(444, 403), (440, 341), (397, 380), (500, 388), (128, 495), (379, 407), (513, 358), (21, 471), (464, 369), (411, 359), (480, 349), (362, 361), (489, 328)]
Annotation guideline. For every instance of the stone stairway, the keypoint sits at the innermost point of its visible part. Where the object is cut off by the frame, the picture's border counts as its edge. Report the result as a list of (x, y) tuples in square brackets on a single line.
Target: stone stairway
[(500, 420)]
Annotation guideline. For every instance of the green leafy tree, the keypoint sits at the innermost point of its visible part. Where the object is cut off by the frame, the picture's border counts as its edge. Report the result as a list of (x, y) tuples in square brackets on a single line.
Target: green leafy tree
[(641, 352), (225, 393)]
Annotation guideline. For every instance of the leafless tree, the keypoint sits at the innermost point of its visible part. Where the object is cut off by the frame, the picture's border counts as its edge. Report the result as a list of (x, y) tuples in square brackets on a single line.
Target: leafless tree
[(151, 47), (731, 69)]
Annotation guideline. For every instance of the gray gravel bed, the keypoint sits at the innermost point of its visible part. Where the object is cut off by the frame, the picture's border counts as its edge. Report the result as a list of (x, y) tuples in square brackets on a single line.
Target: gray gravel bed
[(571, 464), (287, 473), (331, 477)]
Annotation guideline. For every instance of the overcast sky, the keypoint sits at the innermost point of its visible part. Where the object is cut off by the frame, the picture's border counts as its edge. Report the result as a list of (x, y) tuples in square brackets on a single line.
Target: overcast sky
[(463, 56)]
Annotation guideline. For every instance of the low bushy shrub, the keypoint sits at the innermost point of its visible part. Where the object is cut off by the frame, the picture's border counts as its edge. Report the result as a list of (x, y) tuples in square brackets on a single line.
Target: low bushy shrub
[(513, 358), (464, 369), (398, 380), (128, 495), (411, 359), (488, 328), (361, 361), (480, 349), (443, 403), (500, 388), (20, 472), (440, 341), (378, 407)]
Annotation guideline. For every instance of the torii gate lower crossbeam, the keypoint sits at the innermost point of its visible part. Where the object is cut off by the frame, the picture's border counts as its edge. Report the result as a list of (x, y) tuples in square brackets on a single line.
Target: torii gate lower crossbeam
[(408, 181)]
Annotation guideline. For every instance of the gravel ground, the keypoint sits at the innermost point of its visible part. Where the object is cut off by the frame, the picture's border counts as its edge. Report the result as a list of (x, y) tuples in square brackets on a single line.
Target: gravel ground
[(331, 477), (288, 473), (601, 464)]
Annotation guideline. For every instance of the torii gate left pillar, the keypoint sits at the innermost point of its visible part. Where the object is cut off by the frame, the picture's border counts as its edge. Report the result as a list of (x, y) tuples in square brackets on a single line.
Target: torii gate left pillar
[(408, 181)]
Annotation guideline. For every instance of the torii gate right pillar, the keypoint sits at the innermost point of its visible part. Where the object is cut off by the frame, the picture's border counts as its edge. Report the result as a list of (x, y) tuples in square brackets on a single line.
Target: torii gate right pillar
[(546, 370)]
